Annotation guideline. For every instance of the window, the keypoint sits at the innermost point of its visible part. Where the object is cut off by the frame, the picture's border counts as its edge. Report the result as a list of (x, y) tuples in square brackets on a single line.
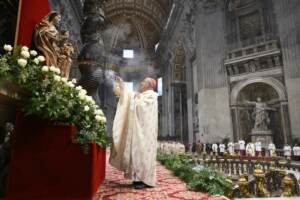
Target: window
[(128, 86), (160, 86), (156, 46), (128, 53)]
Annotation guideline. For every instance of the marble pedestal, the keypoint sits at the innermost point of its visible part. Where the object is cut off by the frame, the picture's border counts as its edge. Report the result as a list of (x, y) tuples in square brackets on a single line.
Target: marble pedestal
[(264, 136)]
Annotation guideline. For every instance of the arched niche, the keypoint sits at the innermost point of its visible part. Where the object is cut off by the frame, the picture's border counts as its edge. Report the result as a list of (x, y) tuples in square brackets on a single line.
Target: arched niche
[(271, 91), (272, 82)]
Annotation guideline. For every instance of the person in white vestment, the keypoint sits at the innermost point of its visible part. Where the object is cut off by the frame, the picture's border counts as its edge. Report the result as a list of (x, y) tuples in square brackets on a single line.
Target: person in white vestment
[(258, 148), (272, 149), (222, 149), (287, 150), (250, 149), (135, 130), (215, 149), (230, 148), (242, 147), (296, 152)]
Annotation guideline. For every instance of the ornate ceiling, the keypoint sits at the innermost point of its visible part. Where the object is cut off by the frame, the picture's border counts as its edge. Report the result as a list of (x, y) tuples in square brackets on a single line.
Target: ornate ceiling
[(136, 24)]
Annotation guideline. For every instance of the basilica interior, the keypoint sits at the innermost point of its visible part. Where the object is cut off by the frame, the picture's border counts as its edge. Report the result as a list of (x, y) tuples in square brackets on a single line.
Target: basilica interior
[(227, 72)]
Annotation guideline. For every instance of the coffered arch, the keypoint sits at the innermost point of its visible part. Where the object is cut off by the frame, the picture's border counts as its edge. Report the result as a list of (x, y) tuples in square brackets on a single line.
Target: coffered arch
[(145, 20)]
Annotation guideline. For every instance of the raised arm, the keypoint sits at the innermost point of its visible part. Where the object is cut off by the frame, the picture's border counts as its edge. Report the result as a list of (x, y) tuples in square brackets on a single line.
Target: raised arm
[(273, 101), (118, 86)]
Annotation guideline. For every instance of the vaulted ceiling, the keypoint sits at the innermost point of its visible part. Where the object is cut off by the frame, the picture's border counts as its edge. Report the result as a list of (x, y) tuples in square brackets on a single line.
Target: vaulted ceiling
[(136, 24)]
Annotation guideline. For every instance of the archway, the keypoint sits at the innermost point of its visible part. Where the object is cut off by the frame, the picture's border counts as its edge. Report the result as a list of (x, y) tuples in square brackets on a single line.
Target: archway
[(272, 92)]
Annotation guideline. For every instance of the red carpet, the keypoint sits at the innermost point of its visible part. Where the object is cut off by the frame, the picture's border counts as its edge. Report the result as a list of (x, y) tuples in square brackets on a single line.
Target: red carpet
[(115, 187)]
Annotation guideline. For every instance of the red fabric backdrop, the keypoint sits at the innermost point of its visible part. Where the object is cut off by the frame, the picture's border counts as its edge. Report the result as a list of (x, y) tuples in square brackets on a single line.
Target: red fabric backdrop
[(32, 11), (46, 165)]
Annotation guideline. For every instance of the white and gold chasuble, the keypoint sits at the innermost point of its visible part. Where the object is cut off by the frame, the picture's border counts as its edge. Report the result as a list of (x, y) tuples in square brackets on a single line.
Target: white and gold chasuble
[(135, 136)]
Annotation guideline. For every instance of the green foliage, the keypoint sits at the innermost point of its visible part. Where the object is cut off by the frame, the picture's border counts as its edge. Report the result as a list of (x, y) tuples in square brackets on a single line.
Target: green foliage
[(197, 177), (51, 97)]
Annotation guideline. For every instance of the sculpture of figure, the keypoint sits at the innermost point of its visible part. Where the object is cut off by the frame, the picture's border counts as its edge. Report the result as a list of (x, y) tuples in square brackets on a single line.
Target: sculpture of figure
[(244, 188), (47, 37), (260, 114), (53, 44), (260, 181), (66, 51), (288, 187)]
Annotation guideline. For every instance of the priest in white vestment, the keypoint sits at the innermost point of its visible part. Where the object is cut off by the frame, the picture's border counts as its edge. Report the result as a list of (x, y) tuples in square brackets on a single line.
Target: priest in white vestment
[(135, 132)]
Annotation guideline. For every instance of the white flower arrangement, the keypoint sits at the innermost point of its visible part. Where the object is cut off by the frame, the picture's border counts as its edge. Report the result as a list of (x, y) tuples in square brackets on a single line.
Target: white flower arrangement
[(22, 62), (33, 53), (64, 79), (36, 61), (74, 107), (86, 108), (45, 68), (24, 48), (25, 54), (41, 58), (57, 78), (8, 47)]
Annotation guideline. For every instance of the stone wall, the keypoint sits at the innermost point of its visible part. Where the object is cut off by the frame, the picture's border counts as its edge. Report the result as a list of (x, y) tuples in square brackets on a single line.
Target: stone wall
[(288, 21), (207, 51), (213, 95), (207, 93)]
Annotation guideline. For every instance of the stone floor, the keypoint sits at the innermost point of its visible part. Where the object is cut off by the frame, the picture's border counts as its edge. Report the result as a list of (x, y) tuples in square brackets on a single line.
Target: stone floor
[(168, 187)]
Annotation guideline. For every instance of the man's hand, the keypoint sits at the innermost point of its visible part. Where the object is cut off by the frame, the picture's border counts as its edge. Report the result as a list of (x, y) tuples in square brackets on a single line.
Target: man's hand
[(118, 79), (118, 86), (136, 95)]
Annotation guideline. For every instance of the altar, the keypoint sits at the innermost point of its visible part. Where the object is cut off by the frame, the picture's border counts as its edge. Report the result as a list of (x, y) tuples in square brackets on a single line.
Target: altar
[(47, 164)]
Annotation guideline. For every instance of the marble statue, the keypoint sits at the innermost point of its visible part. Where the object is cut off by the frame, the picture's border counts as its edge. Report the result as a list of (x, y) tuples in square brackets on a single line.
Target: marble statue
[(260, 114)]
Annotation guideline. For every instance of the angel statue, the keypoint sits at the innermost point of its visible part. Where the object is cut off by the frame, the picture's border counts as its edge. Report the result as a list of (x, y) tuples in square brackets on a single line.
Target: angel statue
[(260, 114)]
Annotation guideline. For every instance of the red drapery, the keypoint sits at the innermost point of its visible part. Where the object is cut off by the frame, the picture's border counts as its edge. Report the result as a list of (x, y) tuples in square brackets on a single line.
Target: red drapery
[(45, 164), (31, 13)]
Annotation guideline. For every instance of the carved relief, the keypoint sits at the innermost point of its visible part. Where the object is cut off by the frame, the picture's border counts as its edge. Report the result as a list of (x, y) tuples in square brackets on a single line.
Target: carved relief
[(179, 62)]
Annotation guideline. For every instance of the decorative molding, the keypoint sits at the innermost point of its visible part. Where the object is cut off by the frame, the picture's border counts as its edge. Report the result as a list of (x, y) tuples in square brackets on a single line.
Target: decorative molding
[(273, 72), (274, 83)]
